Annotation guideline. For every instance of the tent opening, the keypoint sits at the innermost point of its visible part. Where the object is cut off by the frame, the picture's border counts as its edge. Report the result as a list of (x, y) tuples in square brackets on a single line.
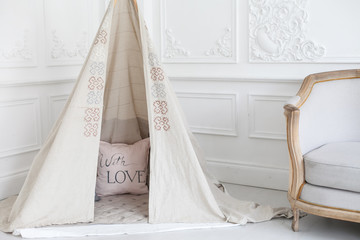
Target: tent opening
[(125, 116)]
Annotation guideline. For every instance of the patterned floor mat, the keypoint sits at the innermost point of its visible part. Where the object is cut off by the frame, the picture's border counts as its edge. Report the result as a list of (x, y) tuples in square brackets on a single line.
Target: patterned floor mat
[(121, 209)]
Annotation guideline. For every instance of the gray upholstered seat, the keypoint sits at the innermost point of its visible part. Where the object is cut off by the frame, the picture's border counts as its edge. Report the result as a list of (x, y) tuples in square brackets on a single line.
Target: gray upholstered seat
[(331, 197), (334, 165)]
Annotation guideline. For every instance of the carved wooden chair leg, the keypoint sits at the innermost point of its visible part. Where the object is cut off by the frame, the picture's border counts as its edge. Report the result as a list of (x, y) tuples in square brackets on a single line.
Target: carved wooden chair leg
[(295, 222)]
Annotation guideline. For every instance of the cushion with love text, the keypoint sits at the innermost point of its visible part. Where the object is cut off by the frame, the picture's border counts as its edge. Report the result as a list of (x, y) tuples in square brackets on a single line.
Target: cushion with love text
[(122, 168)]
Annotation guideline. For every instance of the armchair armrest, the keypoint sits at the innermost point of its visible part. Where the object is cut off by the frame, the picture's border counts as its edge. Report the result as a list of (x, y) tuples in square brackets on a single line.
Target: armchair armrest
[(296, 175), (293, 101)]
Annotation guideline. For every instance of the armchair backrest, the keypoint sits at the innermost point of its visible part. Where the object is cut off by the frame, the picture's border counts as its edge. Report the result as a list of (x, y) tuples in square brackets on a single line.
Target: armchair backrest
[(329, 107)]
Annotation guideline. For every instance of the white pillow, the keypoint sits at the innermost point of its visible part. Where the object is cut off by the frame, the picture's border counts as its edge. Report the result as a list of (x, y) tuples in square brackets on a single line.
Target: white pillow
[(122, 168)]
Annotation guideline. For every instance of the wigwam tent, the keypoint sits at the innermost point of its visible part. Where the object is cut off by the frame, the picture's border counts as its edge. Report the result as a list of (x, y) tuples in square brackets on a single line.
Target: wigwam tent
[(122, 95)]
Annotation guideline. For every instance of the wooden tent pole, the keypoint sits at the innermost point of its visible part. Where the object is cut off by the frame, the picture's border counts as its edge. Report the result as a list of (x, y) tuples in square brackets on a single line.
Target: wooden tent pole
[(135, 4)]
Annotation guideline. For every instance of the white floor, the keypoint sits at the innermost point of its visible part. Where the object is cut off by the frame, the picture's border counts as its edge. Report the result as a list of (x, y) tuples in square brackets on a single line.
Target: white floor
[(311, 227)]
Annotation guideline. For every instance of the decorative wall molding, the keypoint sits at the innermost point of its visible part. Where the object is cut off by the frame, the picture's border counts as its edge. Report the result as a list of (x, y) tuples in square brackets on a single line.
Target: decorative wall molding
[(240, 79), (20, 50), (223, 45), (35, 83), (19, 34), (67, 43), (270, 133), (246, 173), (53, 100), (34, 104), (21, 54), (11, 184), (223, 51), (59, 50), (15, 173), (173, 46), (279, 80), (231, 129), (277, 32)]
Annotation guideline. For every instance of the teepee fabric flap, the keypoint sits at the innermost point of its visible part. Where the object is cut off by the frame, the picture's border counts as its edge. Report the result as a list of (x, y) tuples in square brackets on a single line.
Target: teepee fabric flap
[(60, 185)]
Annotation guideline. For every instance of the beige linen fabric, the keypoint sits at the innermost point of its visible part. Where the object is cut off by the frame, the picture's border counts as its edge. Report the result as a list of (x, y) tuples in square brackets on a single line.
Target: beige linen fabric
[(123, 90), (60, 185)]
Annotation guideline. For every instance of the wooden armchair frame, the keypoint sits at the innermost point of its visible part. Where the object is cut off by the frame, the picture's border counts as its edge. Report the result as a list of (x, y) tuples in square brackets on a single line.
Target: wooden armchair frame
[(297, 174)]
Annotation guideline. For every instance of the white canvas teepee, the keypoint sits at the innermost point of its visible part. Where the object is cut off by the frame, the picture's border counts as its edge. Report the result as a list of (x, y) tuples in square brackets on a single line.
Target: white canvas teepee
[(122, 95)]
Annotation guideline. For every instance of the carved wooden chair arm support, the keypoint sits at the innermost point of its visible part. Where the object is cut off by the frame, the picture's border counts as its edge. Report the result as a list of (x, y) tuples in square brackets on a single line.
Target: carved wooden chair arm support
[(290, 108), (297, 175)]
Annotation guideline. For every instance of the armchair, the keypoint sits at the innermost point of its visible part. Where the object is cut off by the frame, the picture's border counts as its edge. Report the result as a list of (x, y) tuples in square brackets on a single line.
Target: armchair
[(323, 136)]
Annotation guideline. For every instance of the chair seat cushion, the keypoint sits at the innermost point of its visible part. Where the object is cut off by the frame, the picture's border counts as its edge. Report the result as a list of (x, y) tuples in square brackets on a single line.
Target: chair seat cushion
[(331, 197), (334, 165)]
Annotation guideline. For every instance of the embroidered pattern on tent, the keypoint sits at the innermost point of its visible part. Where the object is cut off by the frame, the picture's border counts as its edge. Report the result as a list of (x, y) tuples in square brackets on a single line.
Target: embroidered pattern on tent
[(161, 123), (97, 83), (97, 54), (158, 90), (157, 74), (97, 68), (101, 37), (91, 129), (94, 97), (92, 114), (160, 107), (153, 60)]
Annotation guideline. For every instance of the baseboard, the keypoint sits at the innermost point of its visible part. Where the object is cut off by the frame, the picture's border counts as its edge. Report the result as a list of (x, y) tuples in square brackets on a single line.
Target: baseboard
[(250, 175), (11, 184)]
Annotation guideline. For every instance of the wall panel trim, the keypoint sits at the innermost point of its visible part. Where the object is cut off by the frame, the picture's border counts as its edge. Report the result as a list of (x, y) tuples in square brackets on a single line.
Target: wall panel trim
[(233, 97), (238, 79), (37, 144), (245, 173), (53, 99), (11, 184), (35, 83), (255, 133)]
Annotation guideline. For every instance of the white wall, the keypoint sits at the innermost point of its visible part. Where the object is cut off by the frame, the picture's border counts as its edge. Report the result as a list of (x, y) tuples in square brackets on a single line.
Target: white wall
[(233, 64)]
